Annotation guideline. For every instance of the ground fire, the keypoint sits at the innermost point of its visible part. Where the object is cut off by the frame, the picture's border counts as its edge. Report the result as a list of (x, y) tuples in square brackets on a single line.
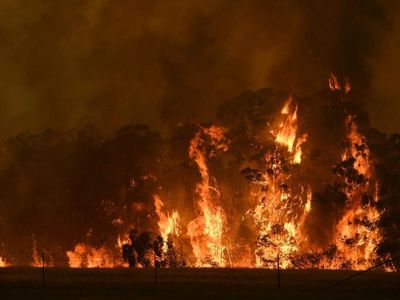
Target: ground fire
[(304, 179)]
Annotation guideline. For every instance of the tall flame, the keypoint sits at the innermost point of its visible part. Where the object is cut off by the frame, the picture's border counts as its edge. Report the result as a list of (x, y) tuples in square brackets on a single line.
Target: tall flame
[(287, 132), (358, 233), (288, 128), (279, 215), (281, 209), (169, 225), (207, 229), (37, 259)]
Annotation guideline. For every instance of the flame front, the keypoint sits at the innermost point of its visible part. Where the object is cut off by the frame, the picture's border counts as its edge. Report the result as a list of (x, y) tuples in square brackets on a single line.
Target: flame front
[(90, 257), (207, 230), (267, 211), (358, 234), (281, 210), (279, 216), (169, 225)]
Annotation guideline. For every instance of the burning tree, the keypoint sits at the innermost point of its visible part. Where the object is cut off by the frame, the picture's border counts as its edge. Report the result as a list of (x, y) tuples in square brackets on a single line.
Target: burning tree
[(303, 178)]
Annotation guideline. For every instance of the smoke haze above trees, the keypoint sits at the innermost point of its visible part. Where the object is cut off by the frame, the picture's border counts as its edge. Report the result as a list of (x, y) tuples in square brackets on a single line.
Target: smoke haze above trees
[(64, 64)]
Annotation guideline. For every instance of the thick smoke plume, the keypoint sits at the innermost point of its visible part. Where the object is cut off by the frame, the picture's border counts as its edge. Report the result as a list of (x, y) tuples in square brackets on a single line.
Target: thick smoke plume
[(64, 64)]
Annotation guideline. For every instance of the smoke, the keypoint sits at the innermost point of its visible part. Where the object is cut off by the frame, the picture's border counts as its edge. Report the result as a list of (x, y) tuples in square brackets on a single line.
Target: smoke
[(110, 63), (64, 64)]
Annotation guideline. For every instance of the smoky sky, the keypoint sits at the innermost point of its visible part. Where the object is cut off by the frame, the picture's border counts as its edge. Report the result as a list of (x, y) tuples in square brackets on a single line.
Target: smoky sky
[(67, 63)]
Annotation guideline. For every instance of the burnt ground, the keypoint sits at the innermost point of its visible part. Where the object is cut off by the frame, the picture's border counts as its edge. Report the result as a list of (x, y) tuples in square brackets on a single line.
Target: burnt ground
[(205, 284)]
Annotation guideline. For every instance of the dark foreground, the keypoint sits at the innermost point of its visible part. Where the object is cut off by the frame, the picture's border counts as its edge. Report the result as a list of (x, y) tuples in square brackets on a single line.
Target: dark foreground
[(206, 284)]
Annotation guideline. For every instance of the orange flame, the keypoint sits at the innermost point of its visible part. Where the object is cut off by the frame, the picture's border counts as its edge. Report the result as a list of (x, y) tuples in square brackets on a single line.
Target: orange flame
[(36, 257), (298, 151), (279, 212), (89, 257), (288, 129), (287, 133), (279, 216), (4, 263), (362, 158), (207, 229), (357, 232), (169, 225), (347, 86), (333, 83)]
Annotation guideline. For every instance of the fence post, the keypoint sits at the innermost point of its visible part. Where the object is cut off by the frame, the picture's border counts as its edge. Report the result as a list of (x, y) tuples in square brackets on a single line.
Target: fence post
[(43, 282), (279, 273), (155, 269)]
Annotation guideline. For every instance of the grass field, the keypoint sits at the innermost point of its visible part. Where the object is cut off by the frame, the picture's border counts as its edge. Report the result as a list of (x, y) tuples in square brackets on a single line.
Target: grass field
[(207, 284)]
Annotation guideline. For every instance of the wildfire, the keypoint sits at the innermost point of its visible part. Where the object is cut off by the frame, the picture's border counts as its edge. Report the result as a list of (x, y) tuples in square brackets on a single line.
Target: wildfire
[(3, 263), (298, 152), (279, 215), (287, 132), (121, 240), (288, 129), (276, 204), (358, 149), (90, 257), (347, 86), (358, 233), (207, 229), (169, 225), (281, 209), (335, 85), (36, 260)]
